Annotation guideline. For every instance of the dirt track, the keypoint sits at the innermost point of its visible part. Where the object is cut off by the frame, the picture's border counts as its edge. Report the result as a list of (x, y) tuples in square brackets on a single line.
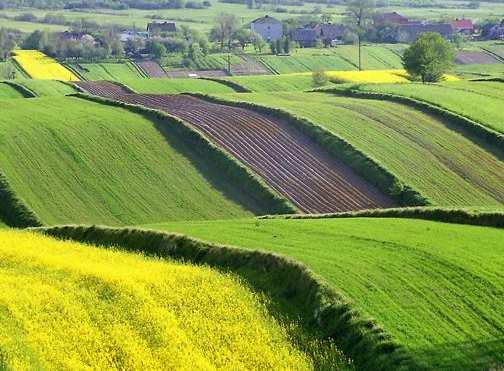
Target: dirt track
[(289, 162)]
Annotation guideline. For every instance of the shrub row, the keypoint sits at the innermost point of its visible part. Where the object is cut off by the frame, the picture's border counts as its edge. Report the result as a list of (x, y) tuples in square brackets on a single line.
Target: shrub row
[(230, 168), (489, 136), (318, 305), (13, 211), (233, 85), (365, 166), (447, 215), (25, 92)]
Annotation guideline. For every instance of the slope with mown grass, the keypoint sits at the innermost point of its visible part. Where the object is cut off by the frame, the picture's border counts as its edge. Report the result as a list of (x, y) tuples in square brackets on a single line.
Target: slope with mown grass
[(176, 86), (73, 306), (482, 108), (429, 284), (73, 161), (108, 71), (422, 150), (47, 88), (8, 91), (273, 83)]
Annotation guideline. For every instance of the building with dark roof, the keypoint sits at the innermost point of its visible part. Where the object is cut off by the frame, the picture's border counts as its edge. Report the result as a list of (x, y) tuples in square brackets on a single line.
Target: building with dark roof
[(408, 33), (463, 26), (306, 37), (330, 33), (161, 27), (268, 27), (393, 18)]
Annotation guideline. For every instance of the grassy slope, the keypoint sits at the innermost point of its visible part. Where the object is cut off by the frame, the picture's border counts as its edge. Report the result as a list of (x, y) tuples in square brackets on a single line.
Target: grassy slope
[(75, 161), (440, 163), (108, 71), (64, 307), (431, 285), (481, 108), (343, 57), (7, 92), (479, 70), (273, 83), (47, 88), (175, 86)]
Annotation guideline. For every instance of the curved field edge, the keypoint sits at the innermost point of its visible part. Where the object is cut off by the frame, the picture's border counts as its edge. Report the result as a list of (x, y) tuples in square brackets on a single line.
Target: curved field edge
[(445, 215), (367, 167), (14, 212), (284, 280), (477, 129), (229, 167), (23, 90)]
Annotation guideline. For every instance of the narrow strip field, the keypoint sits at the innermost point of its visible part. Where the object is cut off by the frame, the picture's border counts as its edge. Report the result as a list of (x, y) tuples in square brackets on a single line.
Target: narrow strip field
[(108, 71), (73, 161), (39, 66), (286, 159), (67, 305), (7, 92), (175, 86), (152, 69), (436, 288), (47, 88), (420, 149)]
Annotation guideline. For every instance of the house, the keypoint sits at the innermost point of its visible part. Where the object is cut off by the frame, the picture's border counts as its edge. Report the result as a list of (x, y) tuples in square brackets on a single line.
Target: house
[(331, 33), (493, 31), (393, 18), (160, 27), (408, 33), (130, 34), (76, 36), (306, 37), (269, 28), (463, 26)]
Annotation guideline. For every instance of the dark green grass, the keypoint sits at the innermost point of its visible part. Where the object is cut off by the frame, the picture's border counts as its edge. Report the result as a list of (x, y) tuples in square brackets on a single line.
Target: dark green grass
[(176, 86), (74, 161), (419, 149), (8, 92), (479, 107), (435, 287), (47, 88)]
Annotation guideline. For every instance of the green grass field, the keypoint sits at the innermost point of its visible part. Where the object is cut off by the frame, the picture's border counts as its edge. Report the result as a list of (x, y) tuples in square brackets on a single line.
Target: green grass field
[(273, 83), (47, 88), (176, 86), (7, 92), (476, 106), (344, 57), (430, 285), (214, 61), (67, 305), (421, 150), (74, 161), (471, 71), (108, 71)]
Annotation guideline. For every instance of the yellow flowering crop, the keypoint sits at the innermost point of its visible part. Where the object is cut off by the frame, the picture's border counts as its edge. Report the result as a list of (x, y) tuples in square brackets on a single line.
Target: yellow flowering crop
[(39, 66), (372, 76), (65, 305)]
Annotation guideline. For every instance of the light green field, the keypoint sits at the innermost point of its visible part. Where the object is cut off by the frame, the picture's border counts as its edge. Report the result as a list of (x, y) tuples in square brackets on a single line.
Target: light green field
[(47, 88), (480, 70), (481, 108), (30, 26), (214, 61), (67, 306), (7, 92), (175, 86), (340, 58), (108, 71), (74, 161), (430, 285), (441, 164), (273, 83)]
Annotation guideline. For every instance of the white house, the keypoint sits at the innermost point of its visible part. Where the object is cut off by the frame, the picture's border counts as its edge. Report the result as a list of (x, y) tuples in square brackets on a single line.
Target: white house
[(268, 27)]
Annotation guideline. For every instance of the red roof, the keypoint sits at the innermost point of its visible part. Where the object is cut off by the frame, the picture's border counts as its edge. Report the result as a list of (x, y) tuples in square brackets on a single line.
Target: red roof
[(462, 24)]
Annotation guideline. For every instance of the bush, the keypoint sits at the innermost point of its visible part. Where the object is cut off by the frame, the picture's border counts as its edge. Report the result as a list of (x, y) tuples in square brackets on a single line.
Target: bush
[(320, 78)]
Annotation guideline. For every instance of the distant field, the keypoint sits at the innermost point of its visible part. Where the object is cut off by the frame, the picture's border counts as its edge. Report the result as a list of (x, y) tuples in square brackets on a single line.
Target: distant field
[(272, 83), (108, 71), (47, 88), (175, 86), (74, 161), (481, 108), (430, 285), (72, 306), (215, 61), (440, 163), (480, 70), (344, 57), (7, 92), (30, 26)]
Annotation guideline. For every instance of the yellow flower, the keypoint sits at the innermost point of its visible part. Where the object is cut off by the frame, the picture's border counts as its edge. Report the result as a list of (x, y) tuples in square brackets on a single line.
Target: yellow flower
[(39, 66)]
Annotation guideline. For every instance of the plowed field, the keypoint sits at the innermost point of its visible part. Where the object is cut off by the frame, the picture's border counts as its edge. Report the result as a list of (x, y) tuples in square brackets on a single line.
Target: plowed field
[(287, 160)]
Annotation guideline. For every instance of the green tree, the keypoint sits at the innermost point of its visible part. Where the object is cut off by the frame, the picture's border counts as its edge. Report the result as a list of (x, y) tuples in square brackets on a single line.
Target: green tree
[(157, 50), (458, 41), (243, 36), (429, 57), (222, 32), (286, 45), (7, 43), (359, 19), (273, 47), (279, 46), (258, 42)]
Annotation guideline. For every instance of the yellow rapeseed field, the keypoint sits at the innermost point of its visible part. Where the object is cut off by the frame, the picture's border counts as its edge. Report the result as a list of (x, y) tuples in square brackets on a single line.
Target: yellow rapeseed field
[(373, 76), (41, 67), (65, 305)]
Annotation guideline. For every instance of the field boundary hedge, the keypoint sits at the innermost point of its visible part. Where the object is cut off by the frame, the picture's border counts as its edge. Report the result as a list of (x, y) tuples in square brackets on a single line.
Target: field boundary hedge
[(140, 70), (375, 173), (231, 84), (479, 130), (265, 196), (446, 215), (74, 70), (13, 210), (23, 90), (284, 279)]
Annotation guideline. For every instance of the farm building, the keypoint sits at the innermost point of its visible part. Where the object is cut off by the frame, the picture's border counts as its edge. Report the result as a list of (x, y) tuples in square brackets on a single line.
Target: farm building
[(76, 36), (463, 26), (161, 27), (408, 33), (268, 27), (493, 31), (305, 36), (331, 33), (390, 18)]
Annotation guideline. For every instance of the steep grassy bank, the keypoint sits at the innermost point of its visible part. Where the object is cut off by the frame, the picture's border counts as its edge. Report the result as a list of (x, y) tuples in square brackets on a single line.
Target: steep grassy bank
[(73, 306), (431, 285), (76, 161)]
